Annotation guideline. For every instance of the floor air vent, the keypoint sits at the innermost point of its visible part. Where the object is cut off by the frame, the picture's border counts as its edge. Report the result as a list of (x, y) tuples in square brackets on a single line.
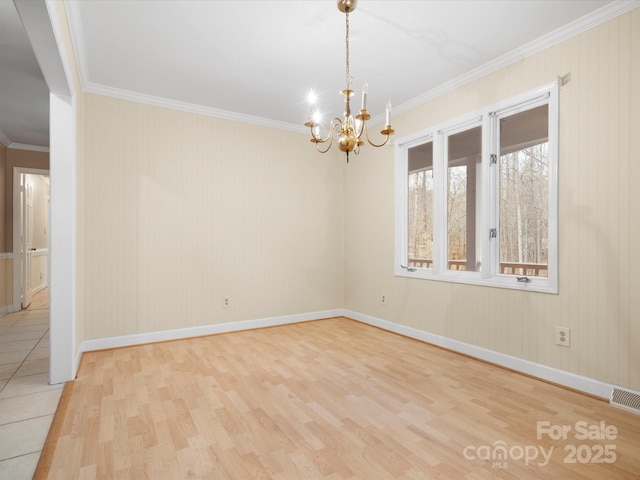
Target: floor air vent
[(626, 399)]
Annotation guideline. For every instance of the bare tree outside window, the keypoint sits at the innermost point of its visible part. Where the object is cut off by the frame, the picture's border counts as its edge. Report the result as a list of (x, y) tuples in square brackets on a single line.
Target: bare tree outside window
[(524, 212), (524, 193), (420, 209), (420, 206), (457, 213)]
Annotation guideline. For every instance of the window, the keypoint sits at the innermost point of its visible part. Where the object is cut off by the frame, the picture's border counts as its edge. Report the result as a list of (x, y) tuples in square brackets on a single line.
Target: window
[(420, 205), (463, 155), (476, 198), (524, 193)]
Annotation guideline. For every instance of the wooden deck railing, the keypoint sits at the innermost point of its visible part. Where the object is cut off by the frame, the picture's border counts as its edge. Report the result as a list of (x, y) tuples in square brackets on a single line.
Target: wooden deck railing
[(524, 269), (507, 268)]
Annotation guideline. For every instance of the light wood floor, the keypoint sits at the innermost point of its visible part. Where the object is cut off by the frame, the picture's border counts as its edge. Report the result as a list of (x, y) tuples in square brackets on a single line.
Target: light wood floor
[(330, 399)]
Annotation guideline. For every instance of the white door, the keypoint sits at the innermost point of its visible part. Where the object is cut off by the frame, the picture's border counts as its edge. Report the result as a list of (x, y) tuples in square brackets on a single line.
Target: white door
[(26, 237)]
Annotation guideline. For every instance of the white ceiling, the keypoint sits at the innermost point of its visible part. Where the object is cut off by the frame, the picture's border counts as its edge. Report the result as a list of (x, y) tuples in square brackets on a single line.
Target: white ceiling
[(24, 95), (255, 60)]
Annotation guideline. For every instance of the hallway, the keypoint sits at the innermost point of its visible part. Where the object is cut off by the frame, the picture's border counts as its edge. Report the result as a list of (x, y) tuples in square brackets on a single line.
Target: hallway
[(27, 401)]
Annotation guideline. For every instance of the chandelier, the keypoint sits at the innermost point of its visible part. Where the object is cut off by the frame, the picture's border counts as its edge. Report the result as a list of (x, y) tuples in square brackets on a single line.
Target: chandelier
[(350, 130)]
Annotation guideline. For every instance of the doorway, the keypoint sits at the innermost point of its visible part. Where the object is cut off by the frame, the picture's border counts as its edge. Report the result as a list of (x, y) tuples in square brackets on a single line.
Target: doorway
[(45, 24), (31, 211)]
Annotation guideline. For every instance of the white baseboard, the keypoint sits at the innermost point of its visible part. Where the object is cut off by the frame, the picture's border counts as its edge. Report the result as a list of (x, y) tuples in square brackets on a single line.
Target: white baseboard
[(560, 377), (162, 336), (42, 286), (76, 366), (16, 308), (544, 372)]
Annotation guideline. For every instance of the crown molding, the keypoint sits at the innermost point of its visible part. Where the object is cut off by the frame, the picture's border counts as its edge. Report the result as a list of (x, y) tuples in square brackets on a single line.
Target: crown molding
[(612, 10), (77, 40), (190, 107), (20, 146), (31, 148), (4, 139), (69, 86)]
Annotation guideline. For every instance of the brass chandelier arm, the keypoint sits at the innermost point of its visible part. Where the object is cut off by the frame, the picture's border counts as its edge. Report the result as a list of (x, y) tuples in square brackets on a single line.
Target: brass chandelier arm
[(335, 123), (384, 132), (326, 149), (314, 138)]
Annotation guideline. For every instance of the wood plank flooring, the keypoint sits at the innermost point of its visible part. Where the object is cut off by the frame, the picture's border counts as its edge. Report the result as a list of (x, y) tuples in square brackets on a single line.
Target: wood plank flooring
[(330, 399)]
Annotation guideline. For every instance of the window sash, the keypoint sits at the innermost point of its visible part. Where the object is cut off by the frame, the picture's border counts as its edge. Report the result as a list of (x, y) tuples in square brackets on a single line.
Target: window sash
[(487, 215)]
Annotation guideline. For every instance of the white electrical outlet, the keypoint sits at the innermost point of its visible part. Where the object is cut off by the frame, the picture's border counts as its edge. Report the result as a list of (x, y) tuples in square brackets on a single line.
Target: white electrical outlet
[(226, 302), (383, 299), (563, 336)]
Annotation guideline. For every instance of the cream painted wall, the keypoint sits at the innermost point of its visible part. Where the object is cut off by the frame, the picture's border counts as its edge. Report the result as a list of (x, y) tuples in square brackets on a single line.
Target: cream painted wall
[(80, 214), (599, 222), (39, 270), (6, 285), (180, 210)]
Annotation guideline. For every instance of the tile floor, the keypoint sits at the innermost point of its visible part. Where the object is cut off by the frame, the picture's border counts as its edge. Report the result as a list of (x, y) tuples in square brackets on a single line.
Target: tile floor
[(27, 401)]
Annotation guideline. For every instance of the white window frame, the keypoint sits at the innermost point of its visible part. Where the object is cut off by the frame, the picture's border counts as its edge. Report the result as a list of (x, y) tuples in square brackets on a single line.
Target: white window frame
[(488, 218)]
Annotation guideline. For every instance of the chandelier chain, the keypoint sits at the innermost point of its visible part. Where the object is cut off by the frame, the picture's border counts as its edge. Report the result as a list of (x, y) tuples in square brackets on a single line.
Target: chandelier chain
[(347, 50)]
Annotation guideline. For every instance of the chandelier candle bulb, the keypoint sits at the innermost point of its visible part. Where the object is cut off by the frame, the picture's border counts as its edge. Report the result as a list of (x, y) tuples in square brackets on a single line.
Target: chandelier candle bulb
[(365, 90), (388, 113)]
